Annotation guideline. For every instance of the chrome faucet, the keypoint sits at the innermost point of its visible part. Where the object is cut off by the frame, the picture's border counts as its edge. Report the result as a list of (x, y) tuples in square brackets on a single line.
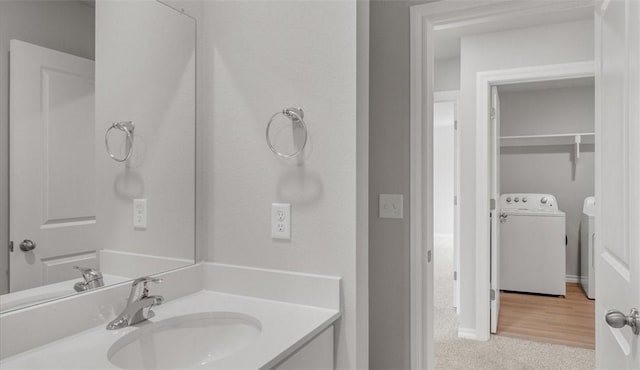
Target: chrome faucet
[(92, 279), (138, 305)]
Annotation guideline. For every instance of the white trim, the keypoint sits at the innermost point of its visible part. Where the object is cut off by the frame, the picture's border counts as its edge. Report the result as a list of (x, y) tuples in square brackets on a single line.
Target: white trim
[(423, 18), (572, 278), (421, 347), (467, 333), (484, 81)]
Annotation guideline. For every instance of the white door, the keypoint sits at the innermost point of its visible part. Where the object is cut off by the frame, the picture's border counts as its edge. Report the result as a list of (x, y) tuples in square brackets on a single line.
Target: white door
[(51, 165), (495, 208), (618, 186), (456, 209)]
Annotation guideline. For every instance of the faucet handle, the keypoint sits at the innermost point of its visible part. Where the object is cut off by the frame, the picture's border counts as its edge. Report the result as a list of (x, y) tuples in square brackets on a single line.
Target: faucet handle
[(145, 280)]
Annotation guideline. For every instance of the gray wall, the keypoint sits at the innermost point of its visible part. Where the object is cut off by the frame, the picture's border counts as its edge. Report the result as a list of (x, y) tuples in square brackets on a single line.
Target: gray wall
[(66, 26), (550, 169), (389, 173)]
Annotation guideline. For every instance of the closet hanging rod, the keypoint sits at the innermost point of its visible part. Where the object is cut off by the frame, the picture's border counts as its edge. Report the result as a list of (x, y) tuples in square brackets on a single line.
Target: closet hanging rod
[(552, 139), (547, 136), (575, 139)]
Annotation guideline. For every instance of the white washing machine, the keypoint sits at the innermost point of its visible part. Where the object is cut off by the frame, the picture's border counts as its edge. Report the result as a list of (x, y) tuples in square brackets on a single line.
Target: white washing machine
[(587, 239), (532, 244)]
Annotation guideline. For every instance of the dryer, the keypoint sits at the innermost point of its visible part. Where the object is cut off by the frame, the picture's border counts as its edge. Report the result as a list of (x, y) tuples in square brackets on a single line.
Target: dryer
[(532, 244)]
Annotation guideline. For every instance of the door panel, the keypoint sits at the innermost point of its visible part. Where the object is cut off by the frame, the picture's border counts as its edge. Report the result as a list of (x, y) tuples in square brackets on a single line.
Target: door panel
[(618, 189), (51, 165), (67, 114)]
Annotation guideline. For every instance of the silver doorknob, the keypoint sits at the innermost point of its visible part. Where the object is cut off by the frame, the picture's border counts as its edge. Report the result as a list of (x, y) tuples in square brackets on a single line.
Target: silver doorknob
[(27, 245), (617, 319)]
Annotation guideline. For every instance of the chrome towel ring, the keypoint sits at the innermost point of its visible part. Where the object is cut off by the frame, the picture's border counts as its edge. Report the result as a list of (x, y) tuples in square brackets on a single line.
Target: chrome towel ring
[(296, 116), (127, 127)]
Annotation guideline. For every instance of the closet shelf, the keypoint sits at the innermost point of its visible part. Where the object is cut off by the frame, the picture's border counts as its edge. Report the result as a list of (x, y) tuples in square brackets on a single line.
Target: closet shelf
[(553, 139)]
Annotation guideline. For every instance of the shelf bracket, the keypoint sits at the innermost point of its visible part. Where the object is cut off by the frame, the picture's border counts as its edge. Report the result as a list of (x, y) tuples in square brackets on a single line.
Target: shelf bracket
[(578, 140)]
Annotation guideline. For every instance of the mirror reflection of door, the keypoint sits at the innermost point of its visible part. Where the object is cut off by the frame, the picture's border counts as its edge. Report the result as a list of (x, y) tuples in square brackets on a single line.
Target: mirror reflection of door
[(52, 186)]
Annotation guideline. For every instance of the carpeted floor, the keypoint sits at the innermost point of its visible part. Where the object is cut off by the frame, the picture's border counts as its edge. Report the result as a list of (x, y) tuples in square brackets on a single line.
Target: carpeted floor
[(499, 352)]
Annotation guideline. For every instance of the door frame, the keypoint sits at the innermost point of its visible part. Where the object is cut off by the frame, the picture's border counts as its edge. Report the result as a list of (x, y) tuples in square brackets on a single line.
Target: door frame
[(425, 19), (484, 81), (453, 96)]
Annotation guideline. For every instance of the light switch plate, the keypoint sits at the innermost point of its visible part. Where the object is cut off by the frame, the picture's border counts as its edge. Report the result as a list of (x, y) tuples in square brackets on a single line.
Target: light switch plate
[(140, 213), (390, 206), (281, 221)]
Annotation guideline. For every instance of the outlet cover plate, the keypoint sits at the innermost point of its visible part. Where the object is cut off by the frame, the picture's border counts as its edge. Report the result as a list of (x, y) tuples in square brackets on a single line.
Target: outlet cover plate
[(140, 214), (281, 221)]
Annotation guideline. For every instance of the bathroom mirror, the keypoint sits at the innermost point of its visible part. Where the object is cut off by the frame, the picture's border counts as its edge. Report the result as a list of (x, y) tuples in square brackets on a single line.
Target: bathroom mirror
[(97, 145)]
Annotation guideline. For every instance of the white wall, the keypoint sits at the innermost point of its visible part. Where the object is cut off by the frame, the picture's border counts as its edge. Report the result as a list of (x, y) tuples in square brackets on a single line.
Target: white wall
[(443, 168), (551, 44), (262, 57), (66, 26), (550, 169), (145, 72)]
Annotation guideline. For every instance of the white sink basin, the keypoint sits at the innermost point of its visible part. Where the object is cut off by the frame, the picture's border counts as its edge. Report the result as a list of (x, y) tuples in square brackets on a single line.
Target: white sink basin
[(188, 341)]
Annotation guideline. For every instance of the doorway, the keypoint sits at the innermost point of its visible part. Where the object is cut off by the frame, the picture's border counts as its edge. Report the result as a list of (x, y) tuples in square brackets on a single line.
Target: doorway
[(542, 172), (616, 71), (446, 182), (472, 262), (446, 214)]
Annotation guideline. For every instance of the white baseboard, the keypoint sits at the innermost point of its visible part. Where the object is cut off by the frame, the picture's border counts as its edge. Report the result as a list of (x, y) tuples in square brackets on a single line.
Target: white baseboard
[(573, 278), (467, 333)]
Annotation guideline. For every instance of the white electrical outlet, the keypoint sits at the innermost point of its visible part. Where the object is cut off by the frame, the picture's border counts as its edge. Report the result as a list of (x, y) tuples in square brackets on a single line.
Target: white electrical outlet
[(390, 206), (281, 221), (140, 213)]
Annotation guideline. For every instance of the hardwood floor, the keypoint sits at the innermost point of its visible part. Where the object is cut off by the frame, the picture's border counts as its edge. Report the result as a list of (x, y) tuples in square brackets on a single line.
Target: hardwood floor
[(569, 321)]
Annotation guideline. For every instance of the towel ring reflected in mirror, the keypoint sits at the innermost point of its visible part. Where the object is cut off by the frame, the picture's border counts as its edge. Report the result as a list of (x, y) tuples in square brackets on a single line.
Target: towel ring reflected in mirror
[(296, 116), (127, 127)]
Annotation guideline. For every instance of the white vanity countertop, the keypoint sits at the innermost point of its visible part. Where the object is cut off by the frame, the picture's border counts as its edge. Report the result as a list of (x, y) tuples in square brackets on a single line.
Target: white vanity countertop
[(285, 328)]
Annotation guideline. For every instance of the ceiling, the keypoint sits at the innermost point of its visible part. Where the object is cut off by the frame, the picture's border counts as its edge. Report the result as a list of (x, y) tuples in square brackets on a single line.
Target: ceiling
[(447, 39)]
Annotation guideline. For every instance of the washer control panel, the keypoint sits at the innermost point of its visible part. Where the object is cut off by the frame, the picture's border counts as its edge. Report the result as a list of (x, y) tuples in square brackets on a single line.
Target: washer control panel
[(528, 202)]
